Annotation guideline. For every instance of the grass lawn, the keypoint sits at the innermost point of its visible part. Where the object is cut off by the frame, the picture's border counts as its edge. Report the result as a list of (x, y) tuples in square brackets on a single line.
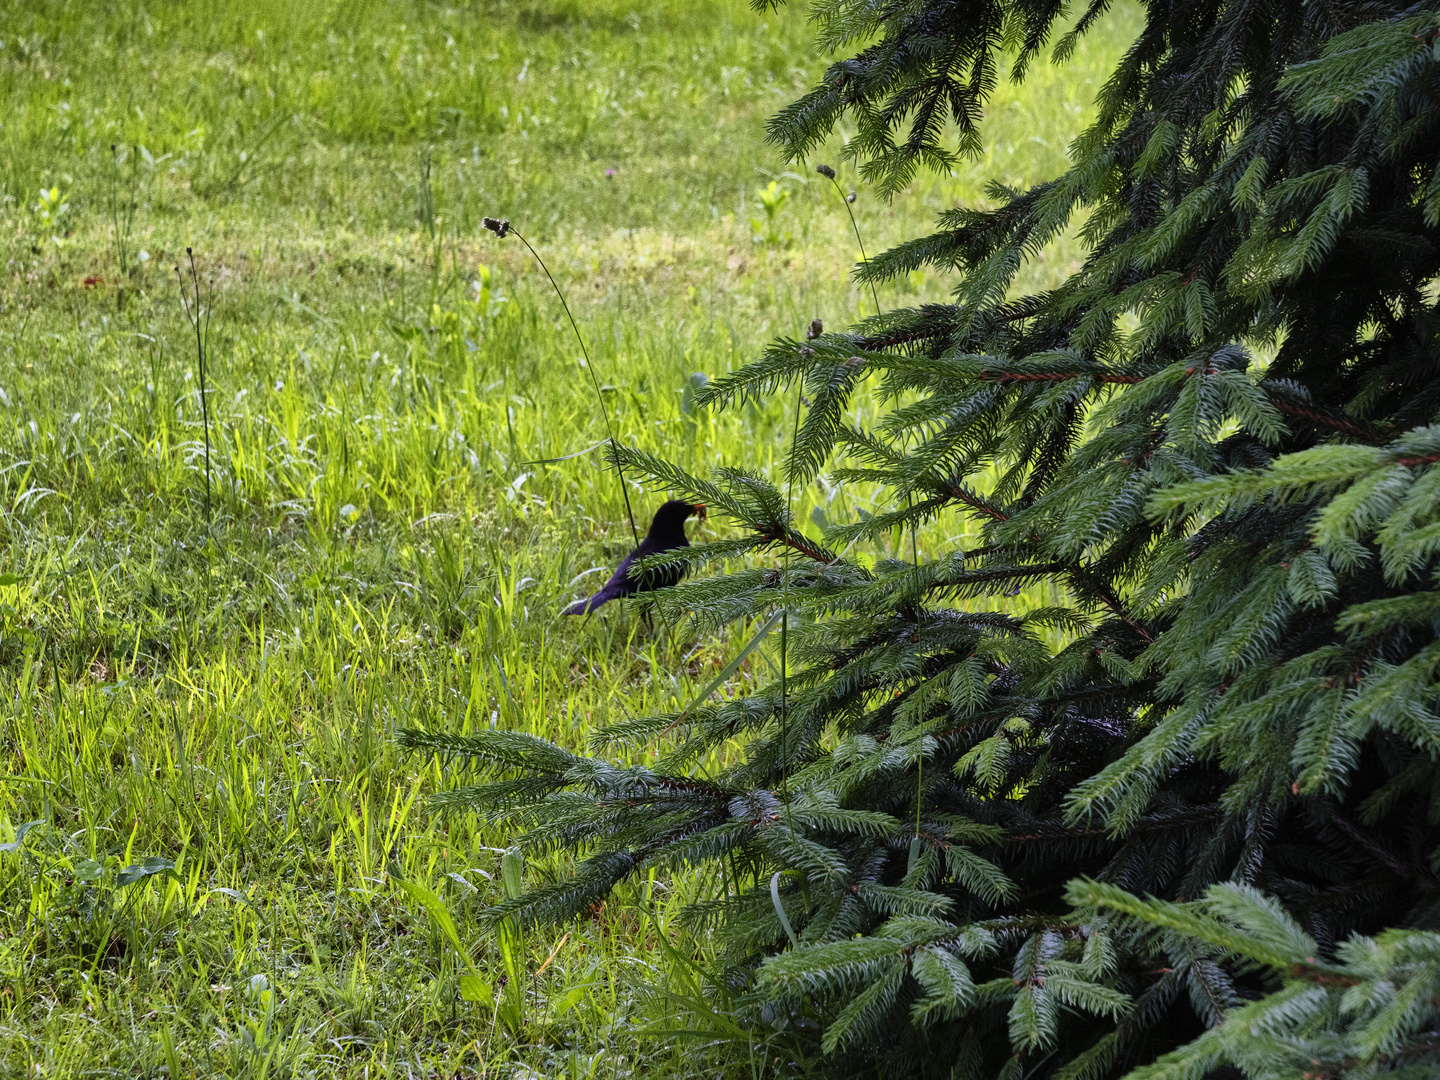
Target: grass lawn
[(215, 860)]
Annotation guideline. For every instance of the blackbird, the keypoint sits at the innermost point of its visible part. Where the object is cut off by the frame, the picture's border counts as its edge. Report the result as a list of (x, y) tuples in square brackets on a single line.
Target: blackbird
[(667, 532)]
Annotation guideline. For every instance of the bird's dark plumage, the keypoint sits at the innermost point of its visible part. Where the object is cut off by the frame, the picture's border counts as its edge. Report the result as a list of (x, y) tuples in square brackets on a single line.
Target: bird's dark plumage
[(667, 532)]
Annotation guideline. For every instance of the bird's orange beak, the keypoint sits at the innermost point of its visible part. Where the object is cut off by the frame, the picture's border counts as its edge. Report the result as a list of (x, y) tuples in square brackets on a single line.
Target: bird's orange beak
[(700, 511)]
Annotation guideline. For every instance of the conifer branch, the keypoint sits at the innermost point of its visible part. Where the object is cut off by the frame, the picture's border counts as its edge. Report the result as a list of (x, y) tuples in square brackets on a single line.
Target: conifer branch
[(1331, 419), (1195, 642)]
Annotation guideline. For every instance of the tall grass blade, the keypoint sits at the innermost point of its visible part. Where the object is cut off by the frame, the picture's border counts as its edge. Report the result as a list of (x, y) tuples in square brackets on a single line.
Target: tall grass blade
[(734, 665)]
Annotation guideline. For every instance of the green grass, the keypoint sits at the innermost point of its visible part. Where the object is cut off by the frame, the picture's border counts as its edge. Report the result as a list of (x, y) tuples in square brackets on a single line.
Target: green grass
[(216, 682)]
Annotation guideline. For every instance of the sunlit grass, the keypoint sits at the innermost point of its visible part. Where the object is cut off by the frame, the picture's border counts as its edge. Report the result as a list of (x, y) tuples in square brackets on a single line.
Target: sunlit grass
[(220, 690)]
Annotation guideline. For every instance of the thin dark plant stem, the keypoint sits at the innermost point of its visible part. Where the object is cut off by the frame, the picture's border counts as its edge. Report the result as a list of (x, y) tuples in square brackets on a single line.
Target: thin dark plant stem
[(909, 499), (863, 257), (202, 342), (122, 217), (115, 207), (785, 630), (594, 381), (920, 754)]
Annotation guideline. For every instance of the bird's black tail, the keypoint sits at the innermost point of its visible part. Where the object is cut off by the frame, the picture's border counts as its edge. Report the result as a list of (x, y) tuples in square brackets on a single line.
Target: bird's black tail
[(590, 603)]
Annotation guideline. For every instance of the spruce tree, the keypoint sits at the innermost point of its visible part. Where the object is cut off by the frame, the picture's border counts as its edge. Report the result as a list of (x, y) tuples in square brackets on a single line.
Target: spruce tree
[(1200, 837)]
